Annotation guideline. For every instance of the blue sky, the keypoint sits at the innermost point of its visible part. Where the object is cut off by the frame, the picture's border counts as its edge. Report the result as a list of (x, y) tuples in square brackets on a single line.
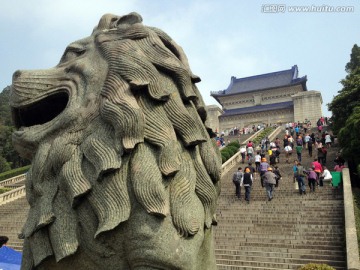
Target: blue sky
[(221, 38)]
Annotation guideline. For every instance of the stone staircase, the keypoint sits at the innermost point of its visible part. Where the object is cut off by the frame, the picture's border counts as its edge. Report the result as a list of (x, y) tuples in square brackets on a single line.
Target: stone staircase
[(13, 216), (285, 233)]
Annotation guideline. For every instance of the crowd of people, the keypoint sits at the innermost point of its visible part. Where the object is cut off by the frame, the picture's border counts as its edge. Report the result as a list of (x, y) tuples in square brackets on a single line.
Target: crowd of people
[(297, 141)]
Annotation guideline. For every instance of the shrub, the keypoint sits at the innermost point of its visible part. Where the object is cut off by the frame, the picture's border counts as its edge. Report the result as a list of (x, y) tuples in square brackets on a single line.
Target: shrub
[(232, 149), (314, 266), (3, 190), (234, 143), (12, 173), (229, 150), (225, 155), (267, 131)]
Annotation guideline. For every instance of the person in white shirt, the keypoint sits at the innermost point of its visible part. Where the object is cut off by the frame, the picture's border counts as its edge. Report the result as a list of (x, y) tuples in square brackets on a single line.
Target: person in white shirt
[(328, 140), (257, 161), (250, 153), (306, 140), (288, 152), (243, 153), (326, 174)]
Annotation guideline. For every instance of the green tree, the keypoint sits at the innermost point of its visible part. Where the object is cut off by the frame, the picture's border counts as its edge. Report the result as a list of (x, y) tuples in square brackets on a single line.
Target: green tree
[(5, 112), (4, 165), (354, 60), (349, 137), (9, 158), (345, 108), (342, 106)]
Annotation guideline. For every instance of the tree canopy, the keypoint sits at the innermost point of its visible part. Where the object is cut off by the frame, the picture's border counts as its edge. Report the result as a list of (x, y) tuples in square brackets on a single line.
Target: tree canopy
[(9, 158), (342, 106), (345, 108)]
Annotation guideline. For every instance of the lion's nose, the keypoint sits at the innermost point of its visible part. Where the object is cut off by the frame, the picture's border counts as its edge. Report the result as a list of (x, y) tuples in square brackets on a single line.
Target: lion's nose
[(16, 75)]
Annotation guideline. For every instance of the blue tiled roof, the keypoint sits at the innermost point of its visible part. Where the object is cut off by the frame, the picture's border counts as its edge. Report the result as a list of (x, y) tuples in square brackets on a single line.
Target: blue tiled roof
[(263, 81), (259, 108)]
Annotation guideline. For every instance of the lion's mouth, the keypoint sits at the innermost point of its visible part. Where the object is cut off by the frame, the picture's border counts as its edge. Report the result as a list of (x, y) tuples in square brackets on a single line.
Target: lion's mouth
[(40, 112)]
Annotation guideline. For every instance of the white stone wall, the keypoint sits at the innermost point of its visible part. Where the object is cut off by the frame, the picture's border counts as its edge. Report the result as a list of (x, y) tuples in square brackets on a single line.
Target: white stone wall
[(268, 117), (213, 113), (307, 105)]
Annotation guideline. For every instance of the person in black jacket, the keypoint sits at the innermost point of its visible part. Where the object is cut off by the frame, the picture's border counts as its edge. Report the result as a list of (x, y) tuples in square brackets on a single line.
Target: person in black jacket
[(276, 171), (247, 181), (3, 240)]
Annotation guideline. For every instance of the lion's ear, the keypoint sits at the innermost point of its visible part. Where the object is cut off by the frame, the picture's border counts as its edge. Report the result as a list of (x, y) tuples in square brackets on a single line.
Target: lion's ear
[(109, 21), (131, 18)]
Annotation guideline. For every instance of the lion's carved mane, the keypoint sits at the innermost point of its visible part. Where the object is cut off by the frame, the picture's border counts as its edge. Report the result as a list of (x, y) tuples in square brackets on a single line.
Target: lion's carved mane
[(141, 141)]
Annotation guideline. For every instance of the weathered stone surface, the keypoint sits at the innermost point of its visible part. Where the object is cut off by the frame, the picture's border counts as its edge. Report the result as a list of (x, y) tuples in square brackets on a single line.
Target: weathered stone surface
[(124, 174)]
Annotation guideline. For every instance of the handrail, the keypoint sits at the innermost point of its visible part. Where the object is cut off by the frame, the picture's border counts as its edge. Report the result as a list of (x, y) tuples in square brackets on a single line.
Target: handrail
[(12, 195), (13, 180), (352, 248)]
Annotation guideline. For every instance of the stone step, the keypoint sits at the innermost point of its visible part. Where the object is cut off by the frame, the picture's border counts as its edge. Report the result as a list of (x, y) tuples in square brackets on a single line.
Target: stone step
[(244, 267), (282, 252), (291, 231), (266, 245), (265, 265), (229, 259), (221, 266), (279, 242), (269, 235)]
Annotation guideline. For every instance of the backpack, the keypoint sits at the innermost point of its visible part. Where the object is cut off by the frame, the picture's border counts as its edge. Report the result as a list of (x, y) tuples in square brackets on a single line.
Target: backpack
[(300, 171), (237, 177)]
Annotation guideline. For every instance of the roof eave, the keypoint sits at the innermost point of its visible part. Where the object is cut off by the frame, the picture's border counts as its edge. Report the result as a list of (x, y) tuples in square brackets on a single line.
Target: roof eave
[(302, 82)]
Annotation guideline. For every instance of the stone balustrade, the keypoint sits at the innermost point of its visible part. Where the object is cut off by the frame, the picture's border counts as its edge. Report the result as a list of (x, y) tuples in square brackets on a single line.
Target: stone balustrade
[(13, 180), (12, 195), (352, 249)]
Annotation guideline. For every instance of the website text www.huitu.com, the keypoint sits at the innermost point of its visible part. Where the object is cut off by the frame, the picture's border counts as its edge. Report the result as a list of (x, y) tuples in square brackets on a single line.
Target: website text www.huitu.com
[(282, 8)]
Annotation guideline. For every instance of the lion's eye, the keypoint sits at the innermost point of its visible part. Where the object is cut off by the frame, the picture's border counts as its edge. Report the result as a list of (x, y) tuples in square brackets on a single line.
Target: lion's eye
[(71, 54)]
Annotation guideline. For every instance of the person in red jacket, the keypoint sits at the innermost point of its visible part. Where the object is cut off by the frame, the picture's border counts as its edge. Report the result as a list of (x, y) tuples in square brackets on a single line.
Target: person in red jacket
[(316, 166)]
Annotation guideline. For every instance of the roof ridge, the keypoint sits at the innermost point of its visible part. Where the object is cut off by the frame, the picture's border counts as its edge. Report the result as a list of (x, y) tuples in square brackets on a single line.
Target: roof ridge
[(293, 69)]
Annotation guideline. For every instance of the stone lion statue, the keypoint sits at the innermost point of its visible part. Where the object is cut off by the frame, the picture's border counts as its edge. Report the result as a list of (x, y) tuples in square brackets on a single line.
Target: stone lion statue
[(124, 171)]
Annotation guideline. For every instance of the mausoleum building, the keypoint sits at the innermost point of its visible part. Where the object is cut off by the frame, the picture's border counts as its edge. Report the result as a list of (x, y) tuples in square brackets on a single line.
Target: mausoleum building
[(271, 98)]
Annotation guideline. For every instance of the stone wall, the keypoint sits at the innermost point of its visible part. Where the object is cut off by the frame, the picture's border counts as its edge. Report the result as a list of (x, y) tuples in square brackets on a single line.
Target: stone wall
[(267, 117), (307, 105), (213, 117), (262, 97)]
